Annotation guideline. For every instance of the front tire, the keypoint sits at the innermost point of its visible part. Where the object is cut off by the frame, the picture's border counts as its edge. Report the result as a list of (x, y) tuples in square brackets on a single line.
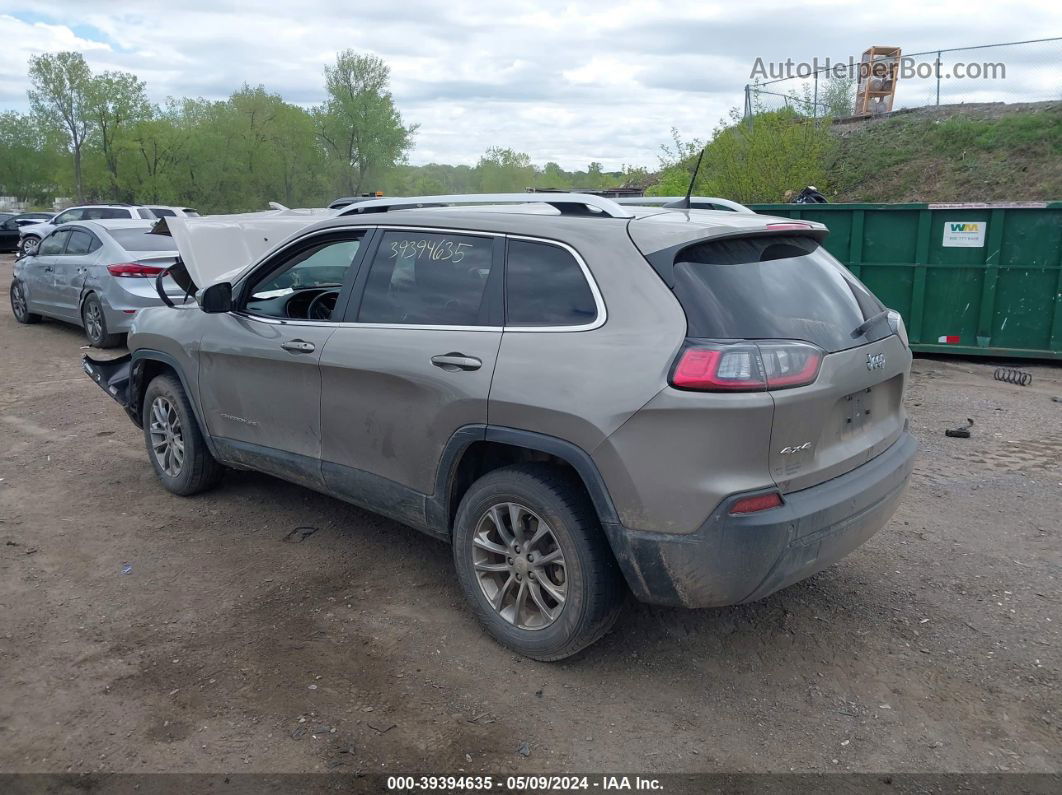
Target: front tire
[(533, 562), (175, 445), (20, 304), (94, 321)]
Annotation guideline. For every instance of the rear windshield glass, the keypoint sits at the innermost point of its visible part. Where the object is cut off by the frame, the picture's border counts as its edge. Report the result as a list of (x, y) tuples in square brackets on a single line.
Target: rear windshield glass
[(140, 240), (772, 287)]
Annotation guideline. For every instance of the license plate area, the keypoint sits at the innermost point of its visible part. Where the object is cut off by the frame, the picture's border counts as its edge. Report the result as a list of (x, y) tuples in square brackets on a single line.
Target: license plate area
[(856, 411)]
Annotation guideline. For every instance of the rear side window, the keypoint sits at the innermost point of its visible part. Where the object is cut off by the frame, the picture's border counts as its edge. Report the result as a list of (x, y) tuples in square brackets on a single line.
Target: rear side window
[(428, 278), (53, 244), (544, 286), (81, 242), (771, 287), (103, 213), (161, 212)]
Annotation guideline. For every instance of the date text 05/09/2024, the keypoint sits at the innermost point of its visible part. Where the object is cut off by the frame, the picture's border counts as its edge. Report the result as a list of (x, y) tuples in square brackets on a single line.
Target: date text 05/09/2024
[(523, 783)]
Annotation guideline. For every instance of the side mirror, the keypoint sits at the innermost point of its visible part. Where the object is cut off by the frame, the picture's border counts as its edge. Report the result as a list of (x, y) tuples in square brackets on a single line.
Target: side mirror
[(216, 298)]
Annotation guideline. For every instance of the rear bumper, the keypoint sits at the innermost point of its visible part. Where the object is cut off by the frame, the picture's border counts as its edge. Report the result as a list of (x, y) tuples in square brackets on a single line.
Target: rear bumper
[(735, 559), (123, 302)]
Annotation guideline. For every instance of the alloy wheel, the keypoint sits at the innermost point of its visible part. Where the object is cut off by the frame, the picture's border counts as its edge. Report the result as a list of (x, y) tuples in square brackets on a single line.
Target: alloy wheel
[(167, 439), (18, 301), (94, 321), (520, 566)]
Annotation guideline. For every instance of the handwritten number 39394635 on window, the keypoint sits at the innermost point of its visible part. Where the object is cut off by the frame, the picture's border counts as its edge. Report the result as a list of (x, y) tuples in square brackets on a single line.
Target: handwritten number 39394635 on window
[(442, 250)]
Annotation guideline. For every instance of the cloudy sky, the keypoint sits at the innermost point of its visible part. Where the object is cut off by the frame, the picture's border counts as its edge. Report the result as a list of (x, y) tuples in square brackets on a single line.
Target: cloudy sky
[(565, 81)]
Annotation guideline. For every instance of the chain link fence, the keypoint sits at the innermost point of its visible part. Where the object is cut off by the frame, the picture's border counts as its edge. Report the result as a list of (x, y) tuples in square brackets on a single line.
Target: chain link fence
[(1023, 71)]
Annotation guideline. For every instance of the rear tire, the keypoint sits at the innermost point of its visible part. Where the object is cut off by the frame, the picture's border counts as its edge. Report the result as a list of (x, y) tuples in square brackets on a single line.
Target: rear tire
[(530, 534), (20, 304), (175, 445), (94, 321)]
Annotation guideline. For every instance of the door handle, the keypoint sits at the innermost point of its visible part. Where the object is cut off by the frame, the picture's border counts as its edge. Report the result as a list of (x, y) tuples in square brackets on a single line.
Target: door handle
[(456, 361), (298, 346), (48, 269)]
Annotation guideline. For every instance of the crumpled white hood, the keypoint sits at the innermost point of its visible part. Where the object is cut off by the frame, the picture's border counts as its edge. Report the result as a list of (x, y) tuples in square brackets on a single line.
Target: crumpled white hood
[(217, 248)]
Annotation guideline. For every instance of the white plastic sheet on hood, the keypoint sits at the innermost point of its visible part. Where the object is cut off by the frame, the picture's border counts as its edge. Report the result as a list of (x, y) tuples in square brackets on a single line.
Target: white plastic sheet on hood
[(217, 248)]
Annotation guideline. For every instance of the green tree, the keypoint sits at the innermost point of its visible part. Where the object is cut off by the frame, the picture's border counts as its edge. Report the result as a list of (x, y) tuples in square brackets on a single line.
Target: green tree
[(60, 83), (833, 97), (596, 179), (114, 102), (155, 151), (503, 170), (751, 161), (359, 125), (554, 177), (30, 158)]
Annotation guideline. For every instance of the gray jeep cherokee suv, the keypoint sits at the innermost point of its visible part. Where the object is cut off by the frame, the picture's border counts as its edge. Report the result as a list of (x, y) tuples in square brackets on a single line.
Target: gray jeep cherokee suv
[(700, 407)]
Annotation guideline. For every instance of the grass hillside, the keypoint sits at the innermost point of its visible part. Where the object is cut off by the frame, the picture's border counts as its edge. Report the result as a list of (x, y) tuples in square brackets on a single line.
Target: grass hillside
[(991, 152)]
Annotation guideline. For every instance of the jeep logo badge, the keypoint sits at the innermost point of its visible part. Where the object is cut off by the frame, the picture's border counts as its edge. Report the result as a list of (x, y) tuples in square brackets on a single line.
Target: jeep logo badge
[(875, 361)]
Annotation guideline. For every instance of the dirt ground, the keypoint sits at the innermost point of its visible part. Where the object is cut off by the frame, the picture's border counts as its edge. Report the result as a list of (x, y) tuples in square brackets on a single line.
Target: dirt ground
[(140, 631)]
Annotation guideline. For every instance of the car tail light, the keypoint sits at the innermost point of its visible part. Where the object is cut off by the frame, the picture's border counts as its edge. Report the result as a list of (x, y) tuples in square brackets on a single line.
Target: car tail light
[(705, 366), (134, 269), (789, 364), (760, 502), (898, 328)]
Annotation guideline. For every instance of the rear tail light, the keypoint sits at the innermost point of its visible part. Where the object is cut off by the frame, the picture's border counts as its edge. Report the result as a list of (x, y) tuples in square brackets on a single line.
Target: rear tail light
[(760, 502), (706, 366), (898, 328), (134, 269)]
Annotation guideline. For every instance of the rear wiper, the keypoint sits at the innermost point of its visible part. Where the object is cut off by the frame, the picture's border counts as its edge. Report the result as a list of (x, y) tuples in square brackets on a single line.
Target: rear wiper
[(861, 329)]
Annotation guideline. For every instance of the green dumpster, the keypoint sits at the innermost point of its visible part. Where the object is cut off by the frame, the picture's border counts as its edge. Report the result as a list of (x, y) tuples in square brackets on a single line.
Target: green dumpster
[(980, 279)]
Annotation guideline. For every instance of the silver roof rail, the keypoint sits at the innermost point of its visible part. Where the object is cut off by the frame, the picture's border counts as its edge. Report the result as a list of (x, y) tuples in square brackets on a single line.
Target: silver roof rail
[(668, 201), (566, 203)]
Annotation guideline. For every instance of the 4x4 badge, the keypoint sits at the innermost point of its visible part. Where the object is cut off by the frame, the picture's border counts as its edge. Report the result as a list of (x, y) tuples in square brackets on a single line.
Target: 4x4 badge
[(875, 361)]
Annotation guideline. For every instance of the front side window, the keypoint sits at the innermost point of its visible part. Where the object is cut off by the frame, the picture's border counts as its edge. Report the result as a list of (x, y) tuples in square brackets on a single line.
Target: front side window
[(53, 244), (305, 286), (81, 242), (161, 212), (428, 278), (75, 214), (544, 286)]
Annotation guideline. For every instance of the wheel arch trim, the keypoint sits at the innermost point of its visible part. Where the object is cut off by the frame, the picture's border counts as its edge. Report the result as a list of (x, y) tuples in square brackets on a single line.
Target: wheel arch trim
[(148, 354), (575, 456)]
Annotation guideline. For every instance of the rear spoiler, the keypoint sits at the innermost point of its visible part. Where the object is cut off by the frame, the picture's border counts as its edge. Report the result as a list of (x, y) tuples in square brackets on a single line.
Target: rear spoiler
[(663, 260)]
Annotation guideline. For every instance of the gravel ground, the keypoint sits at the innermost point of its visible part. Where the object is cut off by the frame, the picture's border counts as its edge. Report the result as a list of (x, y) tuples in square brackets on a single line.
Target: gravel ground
[(140, 631)]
